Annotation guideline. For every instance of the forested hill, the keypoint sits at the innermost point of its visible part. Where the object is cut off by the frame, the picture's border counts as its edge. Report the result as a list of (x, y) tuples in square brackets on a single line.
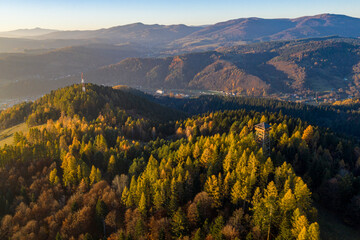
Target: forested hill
[(100, 171), (340, 118), (97, 101), (301, 66), (280, 67)]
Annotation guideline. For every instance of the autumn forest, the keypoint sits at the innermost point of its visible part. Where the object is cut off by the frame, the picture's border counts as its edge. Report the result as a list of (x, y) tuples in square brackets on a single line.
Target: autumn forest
[(119, 164)]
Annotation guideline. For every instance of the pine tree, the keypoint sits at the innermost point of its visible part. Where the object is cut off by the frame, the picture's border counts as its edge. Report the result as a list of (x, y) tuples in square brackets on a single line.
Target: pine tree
[(230, 159), (70, 170), (98, 175), (206, 157), (236, 193), (197, 235), (302, 235), (139, 228), (179, 224), (270, 202), (263, 118), (285, 229), (212, 187), (174, 197), (244, 132), (313, 231), (302, 195), (142, 205), (124, 197), (100, 143), (196, 151), (288, 202), (111, 164), (308, 134), (227, 185), (159, 199), (183, 152), (53, 178), (100, 213), (79, 173), (93, 175), (299, 222), (267, 169), (217, 227)]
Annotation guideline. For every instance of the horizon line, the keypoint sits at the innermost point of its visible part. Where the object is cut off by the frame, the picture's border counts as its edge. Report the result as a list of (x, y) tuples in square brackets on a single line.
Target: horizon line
[(169, 24)]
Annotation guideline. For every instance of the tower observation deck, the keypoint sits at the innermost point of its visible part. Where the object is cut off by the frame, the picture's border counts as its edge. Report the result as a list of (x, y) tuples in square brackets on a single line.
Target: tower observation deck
[(83, 82), (262, 137)]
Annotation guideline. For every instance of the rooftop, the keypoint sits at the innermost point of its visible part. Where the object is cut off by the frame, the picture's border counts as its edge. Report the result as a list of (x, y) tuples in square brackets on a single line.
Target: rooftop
[(263, 125)]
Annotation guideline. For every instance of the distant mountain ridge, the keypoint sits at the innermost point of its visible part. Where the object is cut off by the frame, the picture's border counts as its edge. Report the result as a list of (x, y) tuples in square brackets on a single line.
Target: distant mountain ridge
[(138, 33), (54, 64), (281, 67), (270, 64), (228, 33), (270, 67), (259, 29), (23, 33), (175, 39)]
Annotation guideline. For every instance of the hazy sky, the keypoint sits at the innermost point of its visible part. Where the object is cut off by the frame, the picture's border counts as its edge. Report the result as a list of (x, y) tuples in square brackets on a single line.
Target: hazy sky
[(93, 14)]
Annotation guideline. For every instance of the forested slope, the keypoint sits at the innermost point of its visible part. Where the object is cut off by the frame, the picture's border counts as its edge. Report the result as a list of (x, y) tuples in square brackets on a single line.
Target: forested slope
[(300, 66), (96, 175)]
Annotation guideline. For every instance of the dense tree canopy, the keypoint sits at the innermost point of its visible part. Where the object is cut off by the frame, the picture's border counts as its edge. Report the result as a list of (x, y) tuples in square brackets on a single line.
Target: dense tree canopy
[(119, 176)]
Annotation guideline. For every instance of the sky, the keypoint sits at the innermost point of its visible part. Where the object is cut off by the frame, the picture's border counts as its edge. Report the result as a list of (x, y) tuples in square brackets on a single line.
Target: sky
[(95, 14)]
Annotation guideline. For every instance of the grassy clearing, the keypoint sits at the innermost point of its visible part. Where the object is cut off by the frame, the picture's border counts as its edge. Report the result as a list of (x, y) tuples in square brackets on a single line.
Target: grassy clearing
[(332, 228), (7, 135)]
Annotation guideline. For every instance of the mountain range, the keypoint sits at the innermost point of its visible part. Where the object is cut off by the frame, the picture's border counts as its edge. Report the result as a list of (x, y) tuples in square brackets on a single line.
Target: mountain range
[(61, 62), (248, 55), (276, 67), (26, 32), (296, 66), (259, 29), (182, 38)]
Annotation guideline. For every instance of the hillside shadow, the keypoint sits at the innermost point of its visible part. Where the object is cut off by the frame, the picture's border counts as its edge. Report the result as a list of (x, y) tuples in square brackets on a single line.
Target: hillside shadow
[(256, 65)]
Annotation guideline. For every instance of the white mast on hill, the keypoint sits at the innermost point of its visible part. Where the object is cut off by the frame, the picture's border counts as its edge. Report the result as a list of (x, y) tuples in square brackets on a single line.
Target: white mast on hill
[(83, 82)]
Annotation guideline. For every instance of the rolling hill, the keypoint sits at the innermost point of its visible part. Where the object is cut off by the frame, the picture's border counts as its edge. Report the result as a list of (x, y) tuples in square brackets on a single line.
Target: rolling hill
[(23, 33), (249, 30), (64, 61), (277, 66), (181, 38), (232, 32), (96, 101), (26, 45), (34, 74), (86, 171), (295, 66), (150, 35)]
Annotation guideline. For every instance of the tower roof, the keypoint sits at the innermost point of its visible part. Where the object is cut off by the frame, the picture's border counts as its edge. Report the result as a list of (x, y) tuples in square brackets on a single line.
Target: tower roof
[(263, 126)]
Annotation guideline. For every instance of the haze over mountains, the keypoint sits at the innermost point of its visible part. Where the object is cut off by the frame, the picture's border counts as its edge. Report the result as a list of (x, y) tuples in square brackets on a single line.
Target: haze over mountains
[(156, 56), (185, 38), (258, 29), (270, 67), (153, 35), (26, 32)]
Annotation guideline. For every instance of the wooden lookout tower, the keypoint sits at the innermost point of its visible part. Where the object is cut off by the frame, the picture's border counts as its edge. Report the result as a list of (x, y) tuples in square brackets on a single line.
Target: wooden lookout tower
[(262, 137)]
